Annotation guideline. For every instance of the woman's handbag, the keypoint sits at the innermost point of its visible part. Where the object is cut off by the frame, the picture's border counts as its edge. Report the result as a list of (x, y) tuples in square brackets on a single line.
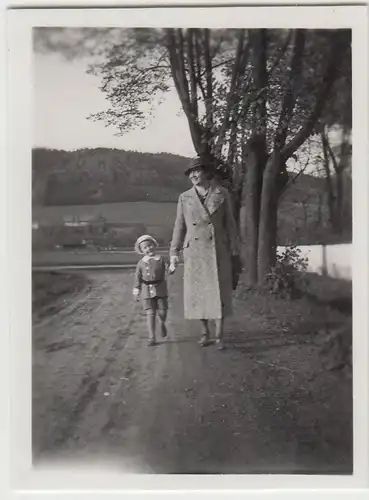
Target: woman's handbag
[(236, 270)]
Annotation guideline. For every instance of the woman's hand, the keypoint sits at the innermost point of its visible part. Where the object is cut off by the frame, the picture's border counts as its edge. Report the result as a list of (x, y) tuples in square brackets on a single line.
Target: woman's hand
[(136, 293), (174, 261)]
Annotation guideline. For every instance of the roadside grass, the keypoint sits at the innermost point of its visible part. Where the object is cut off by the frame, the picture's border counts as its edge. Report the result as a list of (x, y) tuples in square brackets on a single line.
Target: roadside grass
[(303, 348), (321, 316), (49, 287)]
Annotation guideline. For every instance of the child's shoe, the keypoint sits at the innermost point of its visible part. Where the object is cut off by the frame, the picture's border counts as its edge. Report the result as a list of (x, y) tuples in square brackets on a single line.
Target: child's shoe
[(151, 342)]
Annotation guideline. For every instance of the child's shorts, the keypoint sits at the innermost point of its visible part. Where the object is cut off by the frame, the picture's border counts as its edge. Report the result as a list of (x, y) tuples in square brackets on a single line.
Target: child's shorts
[(156, 303)]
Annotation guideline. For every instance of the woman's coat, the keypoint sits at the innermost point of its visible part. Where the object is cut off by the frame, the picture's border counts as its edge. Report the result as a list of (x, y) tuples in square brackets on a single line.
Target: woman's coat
[(208, 235)]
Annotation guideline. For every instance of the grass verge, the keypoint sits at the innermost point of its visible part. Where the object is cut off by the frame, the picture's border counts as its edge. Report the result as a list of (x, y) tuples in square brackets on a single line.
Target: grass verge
[(321, 316), (49, 287)]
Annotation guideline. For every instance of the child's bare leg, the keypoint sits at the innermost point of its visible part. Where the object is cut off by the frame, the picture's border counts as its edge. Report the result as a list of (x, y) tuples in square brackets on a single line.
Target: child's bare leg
[(162, 315), (151, 324)]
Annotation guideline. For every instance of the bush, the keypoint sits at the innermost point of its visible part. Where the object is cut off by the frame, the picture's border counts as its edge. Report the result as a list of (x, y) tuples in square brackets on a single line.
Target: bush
[(289, 273)]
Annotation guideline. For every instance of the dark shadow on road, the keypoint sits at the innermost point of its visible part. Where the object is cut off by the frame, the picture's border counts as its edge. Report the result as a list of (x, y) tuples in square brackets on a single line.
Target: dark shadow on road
[(176, 341), (252, 349)]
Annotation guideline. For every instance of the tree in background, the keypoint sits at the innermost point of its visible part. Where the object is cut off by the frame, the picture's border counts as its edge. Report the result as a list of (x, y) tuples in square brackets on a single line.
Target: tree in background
[(251, 99), (334, 128)]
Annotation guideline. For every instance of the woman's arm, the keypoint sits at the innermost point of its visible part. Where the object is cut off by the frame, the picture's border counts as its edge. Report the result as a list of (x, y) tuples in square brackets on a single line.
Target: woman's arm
[(179, 230)]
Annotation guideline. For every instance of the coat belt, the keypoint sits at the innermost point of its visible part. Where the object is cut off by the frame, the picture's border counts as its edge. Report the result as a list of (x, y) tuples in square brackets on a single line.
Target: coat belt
[(153, 282)]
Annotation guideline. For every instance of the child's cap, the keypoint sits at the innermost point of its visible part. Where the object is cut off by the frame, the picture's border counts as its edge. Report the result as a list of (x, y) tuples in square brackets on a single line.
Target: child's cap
[(141, 239)]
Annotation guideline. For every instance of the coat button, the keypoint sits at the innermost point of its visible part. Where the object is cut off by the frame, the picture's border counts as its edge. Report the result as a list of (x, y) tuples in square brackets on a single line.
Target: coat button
[(194, 223)]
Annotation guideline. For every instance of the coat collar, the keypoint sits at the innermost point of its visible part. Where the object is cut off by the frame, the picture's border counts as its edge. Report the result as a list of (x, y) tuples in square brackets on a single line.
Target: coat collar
[(147, 258), (213, 201)]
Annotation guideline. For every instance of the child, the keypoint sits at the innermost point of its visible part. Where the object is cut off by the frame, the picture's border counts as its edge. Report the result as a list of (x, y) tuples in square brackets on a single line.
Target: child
[(150, 283)]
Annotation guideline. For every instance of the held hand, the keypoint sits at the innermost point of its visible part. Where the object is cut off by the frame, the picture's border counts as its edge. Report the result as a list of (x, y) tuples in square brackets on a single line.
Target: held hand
[(174, 261), (136, 293), (172, 268)]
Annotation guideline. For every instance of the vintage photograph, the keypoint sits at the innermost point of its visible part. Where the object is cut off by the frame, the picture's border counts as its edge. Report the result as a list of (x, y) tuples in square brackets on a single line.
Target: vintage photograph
[(191, 249)]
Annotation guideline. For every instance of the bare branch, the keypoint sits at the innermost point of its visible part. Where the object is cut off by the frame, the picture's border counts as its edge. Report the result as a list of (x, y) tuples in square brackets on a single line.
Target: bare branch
[(339, 46), (192, 71), (281, 53), (237, 69), (289, 98)]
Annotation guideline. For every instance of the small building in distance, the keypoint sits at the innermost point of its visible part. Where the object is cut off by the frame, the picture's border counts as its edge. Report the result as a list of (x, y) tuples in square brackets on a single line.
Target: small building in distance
[(78, 220)]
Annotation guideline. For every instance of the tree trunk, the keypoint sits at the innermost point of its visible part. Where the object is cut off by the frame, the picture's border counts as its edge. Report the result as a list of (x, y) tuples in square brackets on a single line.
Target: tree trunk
[(267, 238), (254, 158), (328, 180), (337, 228)]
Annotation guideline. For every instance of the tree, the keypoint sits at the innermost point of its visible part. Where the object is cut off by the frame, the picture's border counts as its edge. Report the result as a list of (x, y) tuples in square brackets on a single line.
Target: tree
[(334, 128), (251, 98), (338, 159)]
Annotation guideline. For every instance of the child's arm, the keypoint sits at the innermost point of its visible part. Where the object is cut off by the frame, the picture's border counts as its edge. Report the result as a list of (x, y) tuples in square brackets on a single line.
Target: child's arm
[(137, 281), (169, 269)]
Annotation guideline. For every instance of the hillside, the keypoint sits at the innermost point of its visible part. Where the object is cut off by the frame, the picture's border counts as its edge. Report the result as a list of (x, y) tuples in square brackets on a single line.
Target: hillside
[(94, 176), (104, 177)]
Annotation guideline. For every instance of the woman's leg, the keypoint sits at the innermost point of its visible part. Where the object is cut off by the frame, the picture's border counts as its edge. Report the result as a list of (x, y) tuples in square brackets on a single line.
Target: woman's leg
[(219, 325), (205, 332)]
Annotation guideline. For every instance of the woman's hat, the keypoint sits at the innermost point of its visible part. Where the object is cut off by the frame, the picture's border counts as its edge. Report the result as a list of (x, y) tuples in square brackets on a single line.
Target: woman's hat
[(194, 164), (141, 239)]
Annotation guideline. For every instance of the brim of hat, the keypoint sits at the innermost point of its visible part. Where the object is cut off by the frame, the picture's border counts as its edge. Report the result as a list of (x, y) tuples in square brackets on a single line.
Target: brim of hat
[(138, 250), (198, 167), (138, 245)]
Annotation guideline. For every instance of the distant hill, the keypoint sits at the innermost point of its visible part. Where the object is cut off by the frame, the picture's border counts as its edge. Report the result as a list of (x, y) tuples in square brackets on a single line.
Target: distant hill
[(106, 176), (93, 176)]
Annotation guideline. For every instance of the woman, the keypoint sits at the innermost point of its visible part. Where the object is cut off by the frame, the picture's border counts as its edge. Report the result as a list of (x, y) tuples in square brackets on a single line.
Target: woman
[(206, 230)]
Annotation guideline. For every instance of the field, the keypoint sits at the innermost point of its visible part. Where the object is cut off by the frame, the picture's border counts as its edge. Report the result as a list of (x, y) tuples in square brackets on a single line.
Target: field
[(126, 222), (150, 213)]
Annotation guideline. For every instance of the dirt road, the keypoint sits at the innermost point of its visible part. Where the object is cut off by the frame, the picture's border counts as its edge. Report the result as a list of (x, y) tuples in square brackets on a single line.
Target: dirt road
[(261, 406)]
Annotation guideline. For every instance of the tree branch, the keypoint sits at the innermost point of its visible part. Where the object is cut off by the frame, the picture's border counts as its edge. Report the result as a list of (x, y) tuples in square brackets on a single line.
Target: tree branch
[(209, 81), (289, 98), (198, 64), (260, 43), (180, 82), (338, 48), (231, 93), (281, 53), (192, 71)]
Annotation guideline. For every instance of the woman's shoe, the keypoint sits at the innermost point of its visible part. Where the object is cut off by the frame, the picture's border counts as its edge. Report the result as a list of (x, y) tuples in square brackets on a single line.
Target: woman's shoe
[(220, 345), (204, 341), (164, 332)]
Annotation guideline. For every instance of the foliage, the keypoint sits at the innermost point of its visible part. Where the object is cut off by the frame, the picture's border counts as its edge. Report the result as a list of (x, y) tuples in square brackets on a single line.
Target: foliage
[(289, 273)]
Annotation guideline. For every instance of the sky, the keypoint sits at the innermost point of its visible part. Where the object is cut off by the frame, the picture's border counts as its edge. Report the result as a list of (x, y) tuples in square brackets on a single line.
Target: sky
[(64, 95)]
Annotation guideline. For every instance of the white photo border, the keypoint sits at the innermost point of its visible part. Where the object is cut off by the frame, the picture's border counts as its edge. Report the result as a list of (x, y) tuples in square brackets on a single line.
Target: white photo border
[(18, 218)]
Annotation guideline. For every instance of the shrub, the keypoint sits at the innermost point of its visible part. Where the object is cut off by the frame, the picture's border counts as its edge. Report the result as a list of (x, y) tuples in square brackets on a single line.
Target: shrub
[(288, 276)]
